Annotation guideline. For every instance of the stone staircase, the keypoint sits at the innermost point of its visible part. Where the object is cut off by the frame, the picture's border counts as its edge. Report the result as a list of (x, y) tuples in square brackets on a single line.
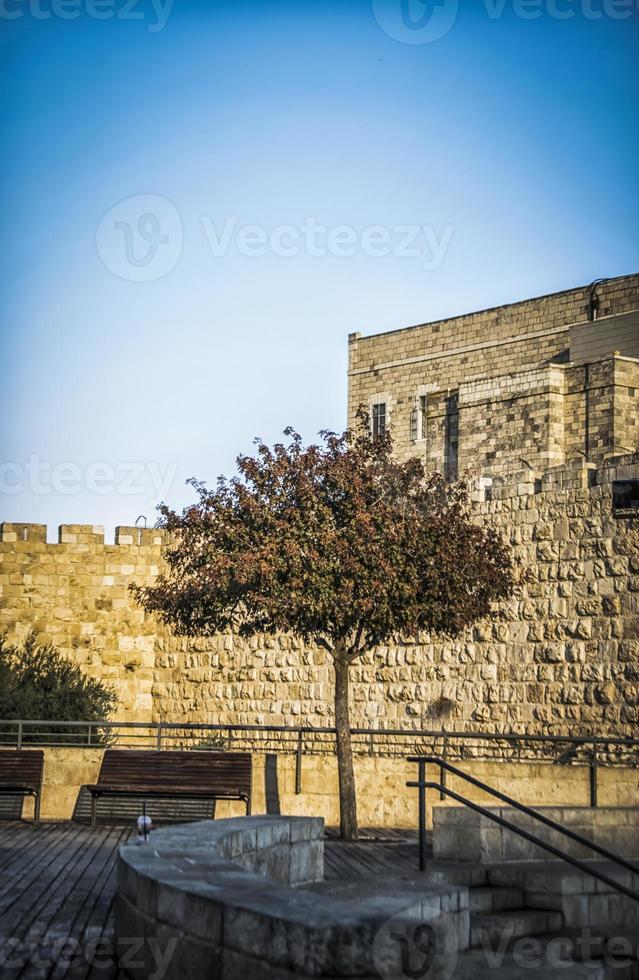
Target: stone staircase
[(511, 941)]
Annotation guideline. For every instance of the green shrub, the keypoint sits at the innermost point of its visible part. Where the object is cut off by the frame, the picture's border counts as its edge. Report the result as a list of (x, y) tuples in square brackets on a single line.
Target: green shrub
[(37, 683), (214, 742)]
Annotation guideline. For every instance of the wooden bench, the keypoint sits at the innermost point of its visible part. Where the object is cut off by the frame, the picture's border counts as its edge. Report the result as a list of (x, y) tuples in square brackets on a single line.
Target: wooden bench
[(171, 775), (21, 773)]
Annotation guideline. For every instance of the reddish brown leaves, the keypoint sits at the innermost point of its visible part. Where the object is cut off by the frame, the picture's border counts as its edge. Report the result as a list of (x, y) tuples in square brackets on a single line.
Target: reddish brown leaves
[(336, 543)]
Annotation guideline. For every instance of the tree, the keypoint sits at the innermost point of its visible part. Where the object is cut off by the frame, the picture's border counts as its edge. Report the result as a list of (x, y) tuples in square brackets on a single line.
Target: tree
[(338, 544), (37, 682)]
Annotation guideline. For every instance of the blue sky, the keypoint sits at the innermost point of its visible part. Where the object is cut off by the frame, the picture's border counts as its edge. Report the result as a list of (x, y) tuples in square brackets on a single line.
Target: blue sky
[(164, 300)]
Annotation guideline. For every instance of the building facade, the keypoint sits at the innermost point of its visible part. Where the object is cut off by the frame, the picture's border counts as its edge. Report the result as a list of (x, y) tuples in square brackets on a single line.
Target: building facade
[(530, 385)]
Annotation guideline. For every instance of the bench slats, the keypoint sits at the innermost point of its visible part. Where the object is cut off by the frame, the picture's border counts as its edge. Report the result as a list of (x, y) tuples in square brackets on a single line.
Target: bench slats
[(21, 772), (201, 775)]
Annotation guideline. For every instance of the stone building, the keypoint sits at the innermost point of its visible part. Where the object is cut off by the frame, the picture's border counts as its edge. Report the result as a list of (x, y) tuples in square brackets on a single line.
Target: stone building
[(531, 385), (539, 402)]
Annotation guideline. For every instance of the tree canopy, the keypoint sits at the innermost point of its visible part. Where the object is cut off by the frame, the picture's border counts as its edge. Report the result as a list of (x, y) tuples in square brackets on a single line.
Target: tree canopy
[(338, 543), (38, 683)]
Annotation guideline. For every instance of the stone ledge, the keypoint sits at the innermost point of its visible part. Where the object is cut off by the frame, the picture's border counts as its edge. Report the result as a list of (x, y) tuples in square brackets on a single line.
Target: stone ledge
[(223, 892), (460, 834)]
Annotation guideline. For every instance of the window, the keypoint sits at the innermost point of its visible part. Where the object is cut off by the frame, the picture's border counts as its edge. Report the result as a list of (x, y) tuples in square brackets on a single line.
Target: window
[(485, 487), (423, 416), (625, 498), (451, 437), (378, 419), (418, 419)]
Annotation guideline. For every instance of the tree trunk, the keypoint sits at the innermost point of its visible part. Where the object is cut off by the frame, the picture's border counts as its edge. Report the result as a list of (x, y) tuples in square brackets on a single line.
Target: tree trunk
[(347, 798)]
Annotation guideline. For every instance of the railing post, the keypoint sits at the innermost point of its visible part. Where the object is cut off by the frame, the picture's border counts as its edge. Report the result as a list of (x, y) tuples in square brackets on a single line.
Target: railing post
[(19, 745), (298, 765), (89, 735), (421, 779), (594, 778), (158, 737)]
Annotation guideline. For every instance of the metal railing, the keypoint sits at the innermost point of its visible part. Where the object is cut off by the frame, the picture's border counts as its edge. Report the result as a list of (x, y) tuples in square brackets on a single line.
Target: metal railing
[(592, 753), (422, 784)]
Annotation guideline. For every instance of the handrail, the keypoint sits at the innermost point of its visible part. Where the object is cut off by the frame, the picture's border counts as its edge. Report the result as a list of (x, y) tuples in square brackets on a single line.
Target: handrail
[(422, 784), (578, 740), (580, 865), (300, 740), (529, 811)]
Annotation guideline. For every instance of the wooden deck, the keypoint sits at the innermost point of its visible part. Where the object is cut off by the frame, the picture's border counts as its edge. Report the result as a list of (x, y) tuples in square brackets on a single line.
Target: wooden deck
[(378, 852), (57, 888)]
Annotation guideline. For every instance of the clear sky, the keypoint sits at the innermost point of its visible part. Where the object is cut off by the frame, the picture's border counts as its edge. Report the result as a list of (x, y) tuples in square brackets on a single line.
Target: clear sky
[(201, 200)]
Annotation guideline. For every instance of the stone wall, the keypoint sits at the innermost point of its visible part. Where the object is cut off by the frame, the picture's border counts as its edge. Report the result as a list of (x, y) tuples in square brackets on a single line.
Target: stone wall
[(461, 834), (76, 594), (517, 388), (215, 897), (561, 657), (384, 800)]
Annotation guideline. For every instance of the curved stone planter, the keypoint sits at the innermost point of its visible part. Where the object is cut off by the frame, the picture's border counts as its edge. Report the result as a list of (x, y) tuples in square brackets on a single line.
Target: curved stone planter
[(217, 900)]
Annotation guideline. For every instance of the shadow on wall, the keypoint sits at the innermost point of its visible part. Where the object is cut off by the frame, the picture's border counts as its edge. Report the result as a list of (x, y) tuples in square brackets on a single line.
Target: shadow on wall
[(120, 810), (271, 787)]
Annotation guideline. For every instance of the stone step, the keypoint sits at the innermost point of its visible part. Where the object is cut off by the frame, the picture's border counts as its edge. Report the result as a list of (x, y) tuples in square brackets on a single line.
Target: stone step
[(455, 873), (487, 899), (503, 927)]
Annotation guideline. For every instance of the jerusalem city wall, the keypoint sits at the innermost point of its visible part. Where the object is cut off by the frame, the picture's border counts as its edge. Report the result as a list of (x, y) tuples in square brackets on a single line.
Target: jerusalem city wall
[(384, 800), (562, 657)]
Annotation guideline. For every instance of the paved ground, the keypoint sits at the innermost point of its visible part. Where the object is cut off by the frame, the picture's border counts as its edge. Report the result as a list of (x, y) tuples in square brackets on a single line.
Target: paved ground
[(57, 887)]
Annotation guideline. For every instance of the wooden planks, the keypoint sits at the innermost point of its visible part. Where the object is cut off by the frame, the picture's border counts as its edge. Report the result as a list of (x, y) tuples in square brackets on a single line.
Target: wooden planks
[(378, 852), (57, 888)]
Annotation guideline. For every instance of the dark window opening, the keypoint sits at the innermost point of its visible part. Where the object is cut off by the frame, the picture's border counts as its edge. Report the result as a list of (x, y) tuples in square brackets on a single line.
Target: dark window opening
[(423, 416), (379, 420), (625, 497), (451, 438)]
